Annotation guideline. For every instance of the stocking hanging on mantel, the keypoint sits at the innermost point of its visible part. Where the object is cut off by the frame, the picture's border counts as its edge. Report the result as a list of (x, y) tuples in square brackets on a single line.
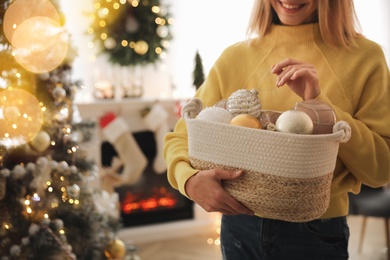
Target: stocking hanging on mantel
[(117, 132), (157, 121)]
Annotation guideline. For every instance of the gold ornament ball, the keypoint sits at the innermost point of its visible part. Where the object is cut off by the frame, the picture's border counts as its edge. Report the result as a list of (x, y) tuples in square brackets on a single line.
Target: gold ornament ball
[(295, 122), (115, 249), (41, 141), (246, 120), (141, 47)]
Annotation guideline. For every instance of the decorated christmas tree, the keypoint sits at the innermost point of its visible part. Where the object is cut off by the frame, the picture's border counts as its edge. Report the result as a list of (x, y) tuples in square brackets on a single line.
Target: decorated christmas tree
[(51, 204), (133, 32)]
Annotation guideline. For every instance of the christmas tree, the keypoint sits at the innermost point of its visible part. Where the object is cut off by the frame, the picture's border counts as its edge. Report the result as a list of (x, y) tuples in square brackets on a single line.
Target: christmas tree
[(198, 74), (133, 32), (50, 202)]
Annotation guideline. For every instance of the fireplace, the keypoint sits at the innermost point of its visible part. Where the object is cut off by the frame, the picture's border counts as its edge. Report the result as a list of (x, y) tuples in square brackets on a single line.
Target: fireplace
[(151, 200), (170, 222)]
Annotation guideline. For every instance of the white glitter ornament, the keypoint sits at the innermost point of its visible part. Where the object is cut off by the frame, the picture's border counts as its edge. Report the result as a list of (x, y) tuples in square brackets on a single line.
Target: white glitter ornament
[(244, 101), (215, 114), (295, 122)]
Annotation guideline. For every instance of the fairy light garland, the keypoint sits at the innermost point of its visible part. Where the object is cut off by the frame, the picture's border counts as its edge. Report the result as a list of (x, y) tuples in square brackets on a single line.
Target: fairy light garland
[(133, 32)]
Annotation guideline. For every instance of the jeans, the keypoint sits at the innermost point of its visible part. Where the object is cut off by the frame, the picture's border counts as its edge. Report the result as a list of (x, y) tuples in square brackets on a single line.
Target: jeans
[(253, 238)]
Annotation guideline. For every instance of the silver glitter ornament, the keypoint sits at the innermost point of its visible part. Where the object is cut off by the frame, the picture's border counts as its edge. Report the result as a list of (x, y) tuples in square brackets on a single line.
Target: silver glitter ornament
[(244, 101)]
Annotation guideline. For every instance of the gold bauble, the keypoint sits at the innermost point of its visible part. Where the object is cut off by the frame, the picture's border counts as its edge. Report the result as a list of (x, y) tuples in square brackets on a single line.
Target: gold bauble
[(246, 120), (41, 141), (141, 47), (115, 249)]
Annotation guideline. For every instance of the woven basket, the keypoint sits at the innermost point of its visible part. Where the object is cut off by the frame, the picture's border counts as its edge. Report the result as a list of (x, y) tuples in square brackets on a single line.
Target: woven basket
[(288, 176)]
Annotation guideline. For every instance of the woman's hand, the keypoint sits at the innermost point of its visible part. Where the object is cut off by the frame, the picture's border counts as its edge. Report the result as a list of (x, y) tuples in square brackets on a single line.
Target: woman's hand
[(206, 190), (301, 77)]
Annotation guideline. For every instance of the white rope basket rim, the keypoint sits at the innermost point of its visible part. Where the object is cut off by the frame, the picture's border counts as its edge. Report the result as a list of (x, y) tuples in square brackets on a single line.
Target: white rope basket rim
[(268, 152)]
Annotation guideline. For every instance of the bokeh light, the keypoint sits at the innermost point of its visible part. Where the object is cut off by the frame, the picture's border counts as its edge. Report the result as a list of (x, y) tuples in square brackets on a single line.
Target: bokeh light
[(21, 10), (40, 44), (21, 117)]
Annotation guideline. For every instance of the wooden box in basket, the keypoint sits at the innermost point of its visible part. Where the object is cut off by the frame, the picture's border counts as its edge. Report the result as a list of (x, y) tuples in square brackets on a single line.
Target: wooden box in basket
[(288, 176)]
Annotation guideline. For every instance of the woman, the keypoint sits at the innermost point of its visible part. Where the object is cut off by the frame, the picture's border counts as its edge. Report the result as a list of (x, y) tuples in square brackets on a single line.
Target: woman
[(312, 50)]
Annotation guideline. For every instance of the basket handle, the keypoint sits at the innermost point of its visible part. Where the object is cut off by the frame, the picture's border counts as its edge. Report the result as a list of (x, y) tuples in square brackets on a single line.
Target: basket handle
[(192, 108), (344, 128)]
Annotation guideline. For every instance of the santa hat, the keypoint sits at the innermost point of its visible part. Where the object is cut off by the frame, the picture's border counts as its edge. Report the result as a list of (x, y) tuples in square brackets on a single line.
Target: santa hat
[(113, 127)]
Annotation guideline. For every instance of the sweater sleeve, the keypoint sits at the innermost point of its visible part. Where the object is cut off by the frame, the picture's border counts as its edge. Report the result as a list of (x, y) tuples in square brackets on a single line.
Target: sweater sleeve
[(367, 153), (179, 168)]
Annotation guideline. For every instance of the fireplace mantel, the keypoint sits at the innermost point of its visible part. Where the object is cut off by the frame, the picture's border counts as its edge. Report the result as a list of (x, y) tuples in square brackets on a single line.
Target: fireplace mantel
[(131, 110)]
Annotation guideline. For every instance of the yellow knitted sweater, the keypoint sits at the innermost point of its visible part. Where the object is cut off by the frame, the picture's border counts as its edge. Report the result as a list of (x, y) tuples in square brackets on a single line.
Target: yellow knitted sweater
[(355, 82)]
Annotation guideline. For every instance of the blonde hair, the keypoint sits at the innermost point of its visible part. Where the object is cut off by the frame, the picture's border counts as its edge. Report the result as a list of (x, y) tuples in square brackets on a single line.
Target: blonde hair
[(337, 19)]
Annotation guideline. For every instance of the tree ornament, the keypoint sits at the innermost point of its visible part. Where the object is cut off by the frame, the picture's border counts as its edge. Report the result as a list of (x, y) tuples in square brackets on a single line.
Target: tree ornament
[(73, 191), (295, 122), (246, 120), (41, 141), (115, 249), (215, 114), (58, 94), (322, 115), (244, 101)]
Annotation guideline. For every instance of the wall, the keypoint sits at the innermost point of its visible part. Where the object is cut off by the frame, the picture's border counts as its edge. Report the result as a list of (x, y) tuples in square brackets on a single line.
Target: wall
[(208, 26)]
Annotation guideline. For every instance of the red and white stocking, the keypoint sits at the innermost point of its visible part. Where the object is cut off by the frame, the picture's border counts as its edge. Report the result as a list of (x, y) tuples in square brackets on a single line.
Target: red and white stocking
[(117, 132)]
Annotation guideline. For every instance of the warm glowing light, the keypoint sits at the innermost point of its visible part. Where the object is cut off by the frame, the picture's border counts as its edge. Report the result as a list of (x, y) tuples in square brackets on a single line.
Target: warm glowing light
[(21, 114), (155, 9), (210, 241), (62, 178), (217, 242), (6, 226), (63, 189), (26, 202), (171, 21), (122, 1), (50, 189), (40, 44), (115, 6), (102, 23), (21, 10), (97, 6), (77, 202), (29, 210), (62, 232), (158, 50), (158, 20), (46, 215), (135, 3), (103, 36), (48, 183), (124, 43), (90, 30), (91, 45), (71, 201)]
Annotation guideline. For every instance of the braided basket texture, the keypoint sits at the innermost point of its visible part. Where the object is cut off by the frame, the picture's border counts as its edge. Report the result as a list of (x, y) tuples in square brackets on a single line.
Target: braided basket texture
[(288, 176)]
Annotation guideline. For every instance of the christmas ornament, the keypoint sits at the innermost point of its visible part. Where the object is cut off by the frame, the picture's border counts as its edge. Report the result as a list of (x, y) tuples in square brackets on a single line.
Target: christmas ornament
[(294, 121), (215, 114), (322, 115), (244, 101), (115, 249), (58, 94), (41, 141), (268, 117), (246, 120), (73, 191), (141, 47)]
